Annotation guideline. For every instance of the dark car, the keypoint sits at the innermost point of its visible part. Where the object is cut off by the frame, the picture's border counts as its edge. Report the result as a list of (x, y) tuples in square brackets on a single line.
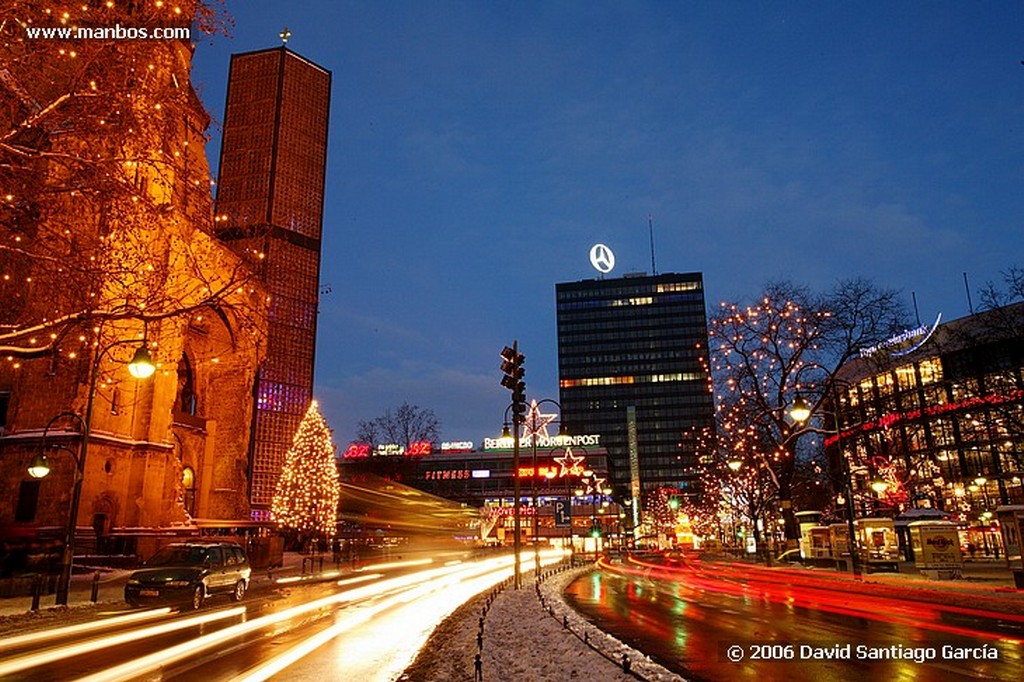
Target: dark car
[(188, 572)]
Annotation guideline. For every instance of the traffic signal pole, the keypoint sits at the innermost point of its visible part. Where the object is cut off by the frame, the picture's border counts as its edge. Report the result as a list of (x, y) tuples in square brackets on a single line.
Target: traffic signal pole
[(512, 367)]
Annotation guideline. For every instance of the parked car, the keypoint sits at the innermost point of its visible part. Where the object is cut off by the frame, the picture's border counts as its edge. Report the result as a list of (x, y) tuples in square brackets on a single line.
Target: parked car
[(188, 572)]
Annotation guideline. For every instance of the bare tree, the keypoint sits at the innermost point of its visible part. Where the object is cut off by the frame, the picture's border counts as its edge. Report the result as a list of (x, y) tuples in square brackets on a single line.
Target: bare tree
[(789, 343), (404, 425), (105, 209)]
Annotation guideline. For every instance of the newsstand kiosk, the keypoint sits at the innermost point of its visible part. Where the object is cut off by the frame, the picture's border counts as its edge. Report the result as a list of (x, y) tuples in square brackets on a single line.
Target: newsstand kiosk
[(1011, 524)]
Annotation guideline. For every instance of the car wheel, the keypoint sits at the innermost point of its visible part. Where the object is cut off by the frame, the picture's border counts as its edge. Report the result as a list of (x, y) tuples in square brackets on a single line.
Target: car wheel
[(198, 597), (239, 591)]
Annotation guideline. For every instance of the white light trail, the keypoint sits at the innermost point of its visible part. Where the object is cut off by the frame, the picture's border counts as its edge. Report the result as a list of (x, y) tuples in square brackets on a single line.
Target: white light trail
[(81, 628), (20, 663)]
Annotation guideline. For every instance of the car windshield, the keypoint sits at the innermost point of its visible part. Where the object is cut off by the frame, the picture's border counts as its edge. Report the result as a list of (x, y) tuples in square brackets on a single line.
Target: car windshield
[(178, 556)]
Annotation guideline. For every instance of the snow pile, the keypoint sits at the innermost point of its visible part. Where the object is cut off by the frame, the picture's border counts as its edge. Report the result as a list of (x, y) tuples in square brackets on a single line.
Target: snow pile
[(523, 642)]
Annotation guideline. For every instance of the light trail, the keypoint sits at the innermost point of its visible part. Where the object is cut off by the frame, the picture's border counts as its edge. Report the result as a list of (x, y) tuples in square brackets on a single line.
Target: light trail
[(831, 599), (81, 628), (400, 626), (382, 590), (32, 660)]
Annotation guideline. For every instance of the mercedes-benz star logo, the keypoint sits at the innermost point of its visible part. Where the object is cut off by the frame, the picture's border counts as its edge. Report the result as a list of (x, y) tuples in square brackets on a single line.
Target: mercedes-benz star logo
[(602, 258)]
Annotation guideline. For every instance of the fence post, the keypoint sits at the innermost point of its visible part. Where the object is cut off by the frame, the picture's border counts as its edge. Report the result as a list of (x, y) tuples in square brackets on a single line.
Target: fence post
[(37, 590), (94, 597)]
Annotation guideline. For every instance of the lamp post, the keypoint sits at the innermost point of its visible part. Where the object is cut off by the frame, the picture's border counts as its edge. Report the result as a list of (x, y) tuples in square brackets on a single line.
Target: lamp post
[(532, 423), (801, 412), (141, 367)]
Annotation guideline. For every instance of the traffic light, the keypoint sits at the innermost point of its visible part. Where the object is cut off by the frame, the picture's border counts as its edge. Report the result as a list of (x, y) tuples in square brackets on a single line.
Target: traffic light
[(595, 532), (512, 379), (673, 503)]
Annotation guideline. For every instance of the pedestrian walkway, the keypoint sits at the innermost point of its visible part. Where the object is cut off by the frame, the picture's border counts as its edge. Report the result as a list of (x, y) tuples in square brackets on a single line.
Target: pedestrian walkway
[(93, 588), (529, 635)]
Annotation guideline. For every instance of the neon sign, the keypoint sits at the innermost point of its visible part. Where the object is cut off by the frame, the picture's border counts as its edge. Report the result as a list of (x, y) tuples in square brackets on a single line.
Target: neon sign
[(447, 475), (417, 448), (903, 337), (457, 446), (592, 440), (602, 258)]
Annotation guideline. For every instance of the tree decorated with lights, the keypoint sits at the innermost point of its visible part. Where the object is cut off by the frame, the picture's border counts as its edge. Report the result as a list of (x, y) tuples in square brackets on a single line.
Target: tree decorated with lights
[(308, 491), (105, 210), (789, 344), (661, 510)]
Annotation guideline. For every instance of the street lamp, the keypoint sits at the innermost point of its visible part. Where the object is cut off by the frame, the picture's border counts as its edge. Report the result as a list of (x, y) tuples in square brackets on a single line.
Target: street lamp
[(801, 413), (140, 367), (532, 420)]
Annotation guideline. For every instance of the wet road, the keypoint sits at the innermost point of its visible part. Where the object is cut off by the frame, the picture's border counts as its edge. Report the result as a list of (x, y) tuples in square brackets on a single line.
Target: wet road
[(736, 622), (365, 626)]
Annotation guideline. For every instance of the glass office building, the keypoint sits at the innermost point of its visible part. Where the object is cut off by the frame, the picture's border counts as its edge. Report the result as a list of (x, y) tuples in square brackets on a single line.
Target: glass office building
[(632, 359)]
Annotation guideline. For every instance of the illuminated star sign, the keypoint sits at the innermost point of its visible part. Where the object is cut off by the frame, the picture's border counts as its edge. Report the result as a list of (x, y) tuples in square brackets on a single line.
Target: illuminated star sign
[(596, 486), (535, 423), (570, 463)]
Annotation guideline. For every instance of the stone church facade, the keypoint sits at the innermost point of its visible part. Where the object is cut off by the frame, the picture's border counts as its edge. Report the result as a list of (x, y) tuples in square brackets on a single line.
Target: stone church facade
[(107, 245)]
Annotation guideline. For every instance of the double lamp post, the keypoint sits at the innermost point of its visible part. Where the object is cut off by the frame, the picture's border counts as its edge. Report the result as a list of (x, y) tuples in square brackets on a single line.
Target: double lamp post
[(141, 367)]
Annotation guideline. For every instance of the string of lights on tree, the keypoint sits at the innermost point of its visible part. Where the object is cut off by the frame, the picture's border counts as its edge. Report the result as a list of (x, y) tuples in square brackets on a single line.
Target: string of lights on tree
[(308, 490), (103, 181)]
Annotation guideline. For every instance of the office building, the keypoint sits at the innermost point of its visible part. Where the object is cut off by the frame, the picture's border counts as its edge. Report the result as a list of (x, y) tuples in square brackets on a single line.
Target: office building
[(270, 199), (632, 352)]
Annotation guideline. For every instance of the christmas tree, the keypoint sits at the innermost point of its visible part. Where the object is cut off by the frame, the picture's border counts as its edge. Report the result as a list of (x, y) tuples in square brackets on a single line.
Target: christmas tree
[(307, 494)]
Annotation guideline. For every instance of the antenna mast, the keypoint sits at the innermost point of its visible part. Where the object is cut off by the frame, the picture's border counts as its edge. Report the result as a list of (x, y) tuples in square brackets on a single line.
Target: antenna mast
[(650, 229)]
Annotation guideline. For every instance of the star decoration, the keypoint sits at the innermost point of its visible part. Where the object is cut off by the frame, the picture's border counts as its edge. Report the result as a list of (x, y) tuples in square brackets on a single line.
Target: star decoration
[(595, 486), (535, 423), (570, 463)]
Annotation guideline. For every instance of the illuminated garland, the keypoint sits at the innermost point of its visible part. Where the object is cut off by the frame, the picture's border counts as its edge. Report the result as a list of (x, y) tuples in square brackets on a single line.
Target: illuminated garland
[(308, 491)]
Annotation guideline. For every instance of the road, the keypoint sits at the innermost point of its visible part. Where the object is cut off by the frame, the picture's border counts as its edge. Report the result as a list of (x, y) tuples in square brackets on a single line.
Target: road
[(366, 626), (723, 621)]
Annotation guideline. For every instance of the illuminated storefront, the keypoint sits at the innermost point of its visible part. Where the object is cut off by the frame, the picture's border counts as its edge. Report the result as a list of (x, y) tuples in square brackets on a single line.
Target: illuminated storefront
[(939, 422), (482, 475)]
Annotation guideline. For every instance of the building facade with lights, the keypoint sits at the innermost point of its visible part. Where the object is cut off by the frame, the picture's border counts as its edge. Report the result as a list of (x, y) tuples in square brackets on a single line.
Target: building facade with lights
[(632, 361), (270, 196), (134, 262), (483, 476), (938, 419)]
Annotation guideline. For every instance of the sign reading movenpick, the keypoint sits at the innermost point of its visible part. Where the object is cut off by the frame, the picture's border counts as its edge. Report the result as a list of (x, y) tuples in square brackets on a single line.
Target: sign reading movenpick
[(919, 336)]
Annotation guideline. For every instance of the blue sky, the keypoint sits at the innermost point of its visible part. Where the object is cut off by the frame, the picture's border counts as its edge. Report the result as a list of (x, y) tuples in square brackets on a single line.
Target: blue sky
[(478, 149)]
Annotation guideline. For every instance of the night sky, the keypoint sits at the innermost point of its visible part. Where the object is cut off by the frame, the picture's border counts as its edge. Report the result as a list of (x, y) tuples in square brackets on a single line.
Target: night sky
[(478, 150)]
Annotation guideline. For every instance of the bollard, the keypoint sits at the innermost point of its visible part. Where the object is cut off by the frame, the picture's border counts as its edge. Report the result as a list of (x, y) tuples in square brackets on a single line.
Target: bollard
[(565, 622), (94, 597), (37, 591), (625, 663), (586, 638)]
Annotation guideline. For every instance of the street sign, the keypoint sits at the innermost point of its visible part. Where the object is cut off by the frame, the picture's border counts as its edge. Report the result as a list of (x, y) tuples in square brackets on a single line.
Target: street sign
[(563, 514)]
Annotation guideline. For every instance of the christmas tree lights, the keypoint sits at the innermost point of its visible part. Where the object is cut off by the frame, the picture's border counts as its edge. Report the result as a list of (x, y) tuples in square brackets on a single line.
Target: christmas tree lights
[(308, 491)]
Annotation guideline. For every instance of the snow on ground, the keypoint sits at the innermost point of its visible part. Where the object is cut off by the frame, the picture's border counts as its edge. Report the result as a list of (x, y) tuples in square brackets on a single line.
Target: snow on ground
[(524, 641)]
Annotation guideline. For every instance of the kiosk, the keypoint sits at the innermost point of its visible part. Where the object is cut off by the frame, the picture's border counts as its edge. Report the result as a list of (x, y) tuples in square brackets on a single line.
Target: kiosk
[(877, 545), (1011, 524), (936, 547)]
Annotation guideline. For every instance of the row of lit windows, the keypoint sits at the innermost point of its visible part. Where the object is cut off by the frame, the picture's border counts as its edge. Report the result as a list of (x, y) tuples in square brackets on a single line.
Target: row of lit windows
[(626, 291), (696, 299), (902, 378), (651, 378)]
